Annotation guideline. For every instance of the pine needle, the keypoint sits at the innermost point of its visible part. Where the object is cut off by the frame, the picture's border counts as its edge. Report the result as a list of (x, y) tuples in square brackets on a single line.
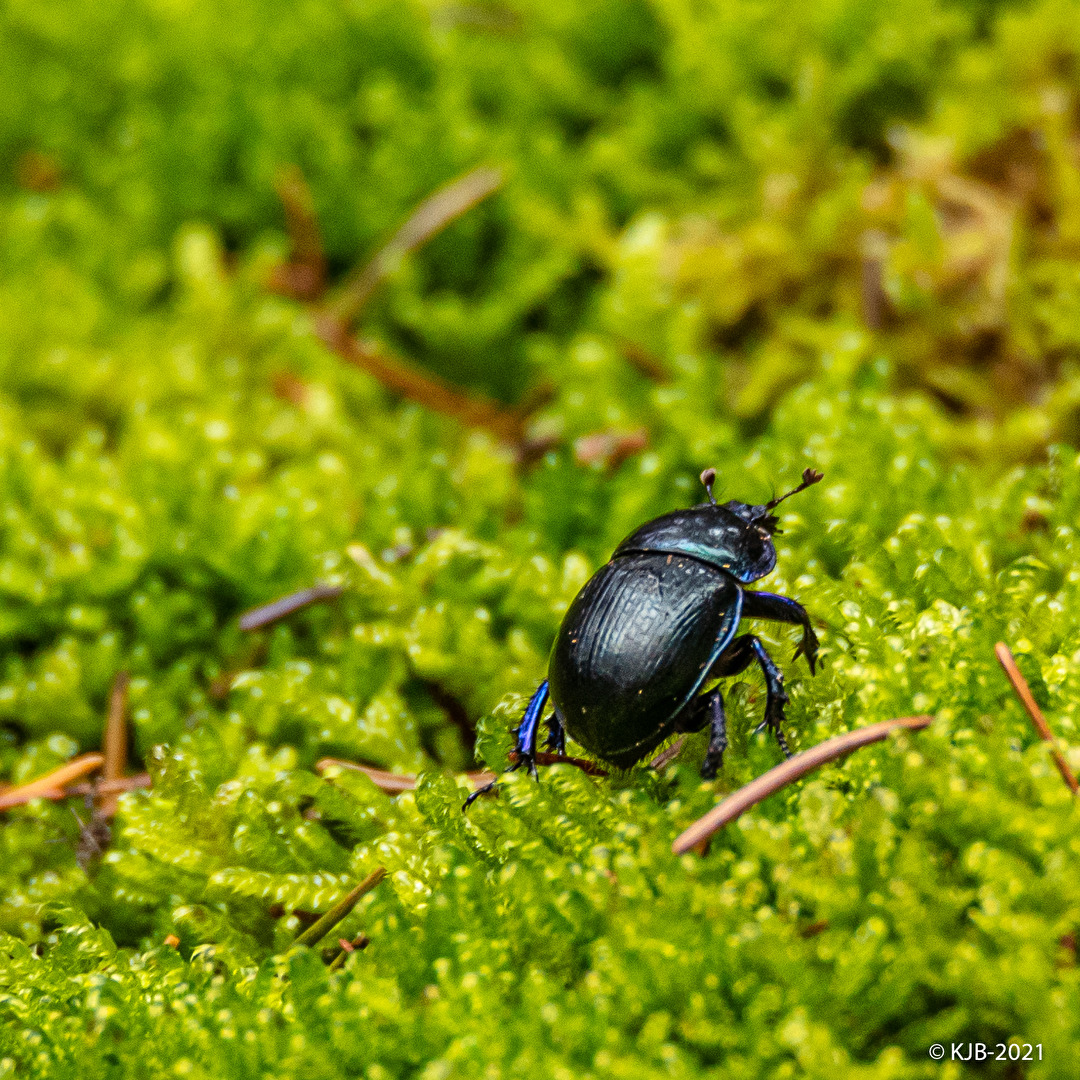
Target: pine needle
[(51, 785), (429, 218), (1023, 692), (391, 783), (421, 387), (317, 931), (266, 614), (115, 741), (304, 276), (787, 771)]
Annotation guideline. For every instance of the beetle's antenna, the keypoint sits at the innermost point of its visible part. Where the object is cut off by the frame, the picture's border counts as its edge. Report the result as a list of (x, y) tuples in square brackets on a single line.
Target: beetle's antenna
[(708, 478), (809, 477)]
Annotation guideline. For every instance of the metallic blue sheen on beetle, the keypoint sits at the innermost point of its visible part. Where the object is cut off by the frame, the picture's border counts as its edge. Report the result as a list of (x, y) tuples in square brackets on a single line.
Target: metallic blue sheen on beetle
[(657, 623)]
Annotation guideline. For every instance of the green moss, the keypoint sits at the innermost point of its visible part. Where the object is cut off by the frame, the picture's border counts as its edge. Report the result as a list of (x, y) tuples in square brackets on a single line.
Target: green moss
[(727, 188)]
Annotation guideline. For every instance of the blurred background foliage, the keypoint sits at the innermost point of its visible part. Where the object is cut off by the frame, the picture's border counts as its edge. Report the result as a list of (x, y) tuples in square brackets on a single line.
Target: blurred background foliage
[(746, 234), (745, 182)]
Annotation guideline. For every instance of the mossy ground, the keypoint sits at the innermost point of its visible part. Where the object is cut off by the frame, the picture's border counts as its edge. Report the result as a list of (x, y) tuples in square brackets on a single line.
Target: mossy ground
[(740, 235)]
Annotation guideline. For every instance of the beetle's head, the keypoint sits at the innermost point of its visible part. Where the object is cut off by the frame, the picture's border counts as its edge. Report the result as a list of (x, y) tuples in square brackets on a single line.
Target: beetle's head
[(761, 517)]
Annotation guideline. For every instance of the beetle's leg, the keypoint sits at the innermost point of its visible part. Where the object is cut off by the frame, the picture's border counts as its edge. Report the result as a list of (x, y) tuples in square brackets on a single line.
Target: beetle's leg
[(738, 656), (765, 605), (708, 709), (714, 756), (556, 738), (525, 750)]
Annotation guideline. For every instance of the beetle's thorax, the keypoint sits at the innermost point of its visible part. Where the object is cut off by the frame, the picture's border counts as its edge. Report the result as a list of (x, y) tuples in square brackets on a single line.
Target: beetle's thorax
[(735, 537)]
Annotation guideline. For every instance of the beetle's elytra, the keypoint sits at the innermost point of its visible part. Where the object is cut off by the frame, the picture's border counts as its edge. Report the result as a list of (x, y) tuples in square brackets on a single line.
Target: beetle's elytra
[(657, 623)]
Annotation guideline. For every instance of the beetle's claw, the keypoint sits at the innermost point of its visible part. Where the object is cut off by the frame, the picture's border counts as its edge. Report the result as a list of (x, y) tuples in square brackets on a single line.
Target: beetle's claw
[(784, 748), (477, 793), (808, 647), (556, 740), (712, 765), (521, 761)]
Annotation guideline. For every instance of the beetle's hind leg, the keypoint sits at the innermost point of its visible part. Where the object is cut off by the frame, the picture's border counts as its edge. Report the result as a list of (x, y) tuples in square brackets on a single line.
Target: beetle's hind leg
[(525, 747), (737, 657), (709, 709), (556, 737)]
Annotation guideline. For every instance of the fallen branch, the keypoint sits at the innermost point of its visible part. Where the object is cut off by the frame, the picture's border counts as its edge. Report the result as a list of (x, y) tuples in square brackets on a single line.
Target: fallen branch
[(51, 785), (430, 217), (266, 614), (1023, 692), (785, 773)]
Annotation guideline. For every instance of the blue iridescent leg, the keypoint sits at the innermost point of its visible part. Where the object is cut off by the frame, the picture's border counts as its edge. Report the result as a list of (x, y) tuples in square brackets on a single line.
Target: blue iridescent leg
[(766, 605), (525, 749)]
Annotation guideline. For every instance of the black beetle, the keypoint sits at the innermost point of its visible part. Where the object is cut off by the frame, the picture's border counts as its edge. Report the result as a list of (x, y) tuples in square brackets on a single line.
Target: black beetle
[(656, 623)]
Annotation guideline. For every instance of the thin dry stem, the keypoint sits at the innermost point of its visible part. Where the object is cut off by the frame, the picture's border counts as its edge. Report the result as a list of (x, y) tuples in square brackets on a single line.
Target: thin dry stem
[(642, 360), (304, 276), (1023, 692), (665, 757), (391, 783), (472, 410), (318, 930), (545, 757), (785, 773), (115, 741), (51, 785), (430, 217), (266, 614)]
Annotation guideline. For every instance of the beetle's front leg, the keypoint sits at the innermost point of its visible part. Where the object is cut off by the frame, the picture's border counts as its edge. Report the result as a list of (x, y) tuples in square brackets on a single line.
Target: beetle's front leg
[(738, 656), (525, 749), (766, 605)]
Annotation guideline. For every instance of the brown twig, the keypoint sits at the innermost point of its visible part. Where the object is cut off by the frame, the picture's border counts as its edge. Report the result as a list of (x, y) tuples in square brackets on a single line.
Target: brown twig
[(873, 298), (361, 941), (115, 741), (430, 217), (51, 785), (642, 360), (1023, 692), (391, 783), (304, 275), (785, 773), (610, 448), (543, 757), (109, 787), (55, 794), (472, 410), (665, 757), (265, 614)]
